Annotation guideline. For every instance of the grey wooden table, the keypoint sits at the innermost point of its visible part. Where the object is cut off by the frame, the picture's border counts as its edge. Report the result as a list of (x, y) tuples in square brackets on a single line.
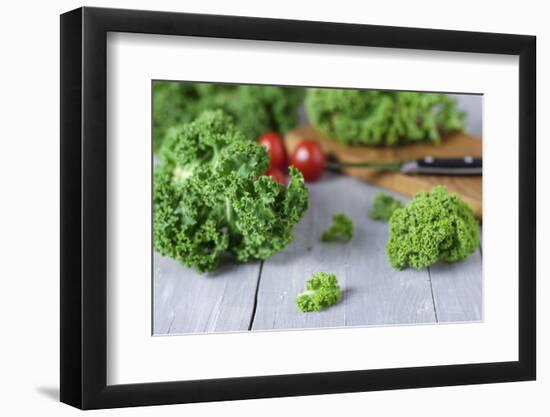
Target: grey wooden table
[(261, 295)]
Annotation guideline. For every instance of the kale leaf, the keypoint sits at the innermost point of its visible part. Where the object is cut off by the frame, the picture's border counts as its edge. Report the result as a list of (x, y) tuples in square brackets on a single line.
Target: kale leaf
[(254, 109), (340, 230), (434, 226), (322, 291), (383, 207), (369, 117), (211, 199)]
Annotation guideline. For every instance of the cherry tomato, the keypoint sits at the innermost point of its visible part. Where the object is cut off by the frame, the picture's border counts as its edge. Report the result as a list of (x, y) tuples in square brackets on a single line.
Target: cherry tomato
[(309, 159), (275, 147), (277, 175)]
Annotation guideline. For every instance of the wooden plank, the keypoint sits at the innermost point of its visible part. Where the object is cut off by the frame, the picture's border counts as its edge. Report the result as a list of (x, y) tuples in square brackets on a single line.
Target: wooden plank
[(186, 302), (373, 293), (454, 145), (458, 289)]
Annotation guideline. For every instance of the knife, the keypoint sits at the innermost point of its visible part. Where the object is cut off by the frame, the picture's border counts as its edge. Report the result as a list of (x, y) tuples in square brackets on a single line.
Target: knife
[(428, 165)]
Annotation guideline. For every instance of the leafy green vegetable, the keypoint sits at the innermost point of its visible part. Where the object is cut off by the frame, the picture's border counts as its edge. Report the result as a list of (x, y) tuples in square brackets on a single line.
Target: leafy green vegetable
[(434, 226), (322, 291), (254, 109), (171, 104), (383, 207), (211, 198), (340, 230), (367, 117)]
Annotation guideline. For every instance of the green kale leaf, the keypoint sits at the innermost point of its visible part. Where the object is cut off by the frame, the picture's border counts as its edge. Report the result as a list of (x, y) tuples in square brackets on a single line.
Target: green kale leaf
[(383, 207), (254, 109), (434, 226), (211, 199), (369, 117), (340, 230), (322, 291)]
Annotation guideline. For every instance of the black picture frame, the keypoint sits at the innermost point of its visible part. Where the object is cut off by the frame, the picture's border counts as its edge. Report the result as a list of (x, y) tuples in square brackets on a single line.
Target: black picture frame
[(84, 207)]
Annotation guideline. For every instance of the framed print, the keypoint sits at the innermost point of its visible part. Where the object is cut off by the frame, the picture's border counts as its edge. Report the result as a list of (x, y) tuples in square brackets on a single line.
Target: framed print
[(256, 208)]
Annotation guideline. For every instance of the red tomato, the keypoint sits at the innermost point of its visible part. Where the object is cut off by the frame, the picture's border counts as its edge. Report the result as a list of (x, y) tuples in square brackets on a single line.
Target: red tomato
[(275, 147), (277, 175), (309, 159)]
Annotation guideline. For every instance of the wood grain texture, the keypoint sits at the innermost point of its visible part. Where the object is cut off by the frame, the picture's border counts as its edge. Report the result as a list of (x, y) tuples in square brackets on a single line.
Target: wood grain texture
[(186, 302), (454, 145), (457, 289), (373, 293), (239, 296)]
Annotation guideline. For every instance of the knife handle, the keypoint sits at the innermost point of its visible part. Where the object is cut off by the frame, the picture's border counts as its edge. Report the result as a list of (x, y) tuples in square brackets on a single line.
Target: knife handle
[(446, 166)]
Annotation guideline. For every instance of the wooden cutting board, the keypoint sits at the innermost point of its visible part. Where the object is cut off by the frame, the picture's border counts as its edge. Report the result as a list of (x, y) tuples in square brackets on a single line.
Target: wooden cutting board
[(455, 145)]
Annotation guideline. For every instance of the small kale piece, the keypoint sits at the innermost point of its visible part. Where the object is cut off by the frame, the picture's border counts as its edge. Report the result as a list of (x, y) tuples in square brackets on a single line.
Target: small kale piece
[(322, 291), (370, 117), (340, 230), (383, 207), (210, 197), (434, 226)]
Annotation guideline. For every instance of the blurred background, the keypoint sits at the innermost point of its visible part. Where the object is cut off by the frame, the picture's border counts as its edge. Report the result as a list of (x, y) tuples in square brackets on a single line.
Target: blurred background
[(471, 104)]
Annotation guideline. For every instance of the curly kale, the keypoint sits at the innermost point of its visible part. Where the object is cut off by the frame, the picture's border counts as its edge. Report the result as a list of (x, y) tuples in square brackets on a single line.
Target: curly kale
[(171, 104), (368, 117), (383, 207), (254, 109), (434, 226), (340, 230), (322, 291), (211, 198)]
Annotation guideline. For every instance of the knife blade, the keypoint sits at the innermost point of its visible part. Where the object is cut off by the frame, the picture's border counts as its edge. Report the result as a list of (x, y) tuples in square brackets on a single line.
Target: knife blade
[(428, 165)]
